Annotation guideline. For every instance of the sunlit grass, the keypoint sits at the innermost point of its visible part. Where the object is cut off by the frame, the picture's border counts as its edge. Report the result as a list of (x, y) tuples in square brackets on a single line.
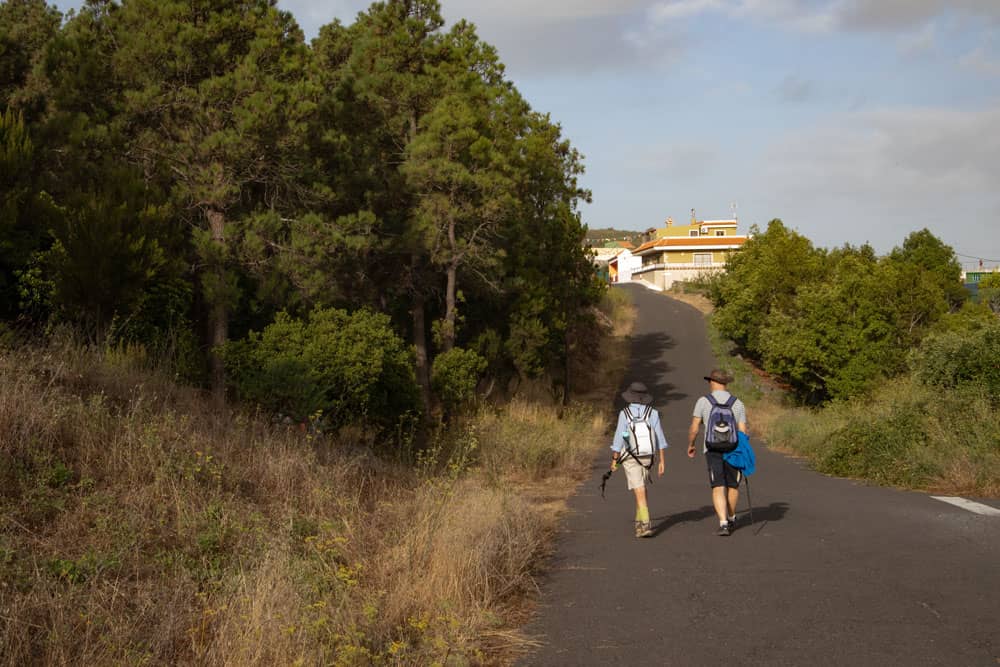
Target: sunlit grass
[(141, 526)]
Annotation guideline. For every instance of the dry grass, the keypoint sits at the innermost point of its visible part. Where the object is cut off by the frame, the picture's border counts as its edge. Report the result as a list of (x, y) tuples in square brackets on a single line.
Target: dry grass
[(699, 301), (138, 526)]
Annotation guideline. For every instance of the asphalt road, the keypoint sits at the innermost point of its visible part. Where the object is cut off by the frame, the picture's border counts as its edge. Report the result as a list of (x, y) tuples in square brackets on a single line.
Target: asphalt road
[(832, 572)]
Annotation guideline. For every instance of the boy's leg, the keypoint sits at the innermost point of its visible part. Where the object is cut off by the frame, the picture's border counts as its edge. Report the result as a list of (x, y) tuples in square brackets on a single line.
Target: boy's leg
[(636, 475), (640, 501), (642, 524)]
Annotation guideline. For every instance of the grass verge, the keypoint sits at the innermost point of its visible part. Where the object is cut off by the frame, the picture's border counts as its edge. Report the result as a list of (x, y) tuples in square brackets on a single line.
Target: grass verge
[(138, 526)]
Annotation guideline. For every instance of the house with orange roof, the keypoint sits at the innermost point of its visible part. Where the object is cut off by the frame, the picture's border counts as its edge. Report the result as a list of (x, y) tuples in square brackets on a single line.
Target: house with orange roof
[(684, 252), (622, 265)]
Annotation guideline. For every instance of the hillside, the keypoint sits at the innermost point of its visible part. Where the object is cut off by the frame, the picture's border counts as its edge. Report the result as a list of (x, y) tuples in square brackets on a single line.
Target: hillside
[(600, 236)]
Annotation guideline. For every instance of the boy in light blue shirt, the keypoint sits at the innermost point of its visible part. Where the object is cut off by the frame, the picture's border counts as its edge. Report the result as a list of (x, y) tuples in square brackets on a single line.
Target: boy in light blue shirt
[(638, 439)]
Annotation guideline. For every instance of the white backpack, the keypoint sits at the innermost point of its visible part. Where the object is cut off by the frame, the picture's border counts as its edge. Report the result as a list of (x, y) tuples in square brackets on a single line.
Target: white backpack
[(641, 441)]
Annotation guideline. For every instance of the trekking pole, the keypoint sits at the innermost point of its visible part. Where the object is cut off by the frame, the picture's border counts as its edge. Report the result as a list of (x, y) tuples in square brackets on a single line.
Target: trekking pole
[(746, 480), (604, 480)]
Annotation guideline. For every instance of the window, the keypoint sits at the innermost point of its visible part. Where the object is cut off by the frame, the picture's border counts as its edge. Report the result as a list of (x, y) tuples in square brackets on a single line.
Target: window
[(693, 232), (720, 233), (702, 258)]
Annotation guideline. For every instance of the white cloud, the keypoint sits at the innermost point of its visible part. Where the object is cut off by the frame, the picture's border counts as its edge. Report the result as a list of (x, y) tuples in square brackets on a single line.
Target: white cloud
[(827, 15), (678, 9), (922, 41), (795, 89), (984, 59), (891, 14), (981, 61), (878, 176), (531, 11)]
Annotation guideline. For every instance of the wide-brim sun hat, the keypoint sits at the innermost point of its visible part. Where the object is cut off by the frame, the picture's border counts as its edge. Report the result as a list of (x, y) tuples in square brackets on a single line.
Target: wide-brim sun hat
[(637, 393), (720, 376)]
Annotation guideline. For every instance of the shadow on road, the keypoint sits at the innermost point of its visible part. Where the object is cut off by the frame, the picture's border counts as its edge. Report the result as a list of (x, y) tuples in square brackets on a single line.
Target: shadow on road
[(647, 366), (761, 515)]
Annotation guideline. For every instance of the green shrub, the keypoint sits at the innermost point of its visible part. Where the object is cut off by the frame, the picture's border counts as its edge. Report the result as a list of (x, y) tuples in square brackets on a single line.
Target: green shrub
[(887, 448), (958, 358), (349, 366), (454, 376)]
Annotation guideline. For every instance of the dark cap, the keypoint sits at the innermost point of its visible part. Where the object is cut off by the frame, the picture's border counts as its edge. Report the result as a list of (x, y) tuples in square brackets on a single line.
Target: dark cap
[(720, 376)]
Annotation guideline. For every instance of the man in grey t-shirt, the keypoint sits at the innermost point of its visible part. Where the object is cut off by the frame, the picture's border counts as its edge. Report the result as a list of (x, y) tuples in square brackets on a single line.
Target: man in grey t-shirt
[(723, 478)]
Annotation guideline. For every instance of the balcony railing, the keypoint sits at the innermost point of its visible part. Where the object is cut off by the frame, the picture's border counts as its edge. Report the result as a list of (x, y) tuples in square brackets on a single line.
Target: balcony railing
[(687, 266)]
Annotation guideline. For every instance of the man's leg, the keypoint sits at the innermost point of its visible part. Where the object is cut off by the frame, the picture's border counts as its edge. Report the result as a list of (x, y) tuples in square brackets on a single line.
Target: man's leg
[(732, 495), (717, 480), (719, 501), (733, 479)]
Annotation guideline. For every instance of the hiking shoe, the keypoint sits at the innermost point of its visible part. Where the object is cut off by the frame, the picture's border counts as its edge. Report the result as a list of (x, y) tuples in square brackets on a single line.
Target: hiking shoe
[(638, 528), (725, 530), (645, 530)]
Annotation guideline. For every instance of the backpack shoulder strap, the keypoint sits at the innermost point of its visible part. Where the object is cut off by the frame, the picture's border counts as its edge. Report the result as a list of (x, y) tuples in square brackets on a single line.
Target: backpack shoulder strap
[(731, 401), (711, 399), (648, 411)]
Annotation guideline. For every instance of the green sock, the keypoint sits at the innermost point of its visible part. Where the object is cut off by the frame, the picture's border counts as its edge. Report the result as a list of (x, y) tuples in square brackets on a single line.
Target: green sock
[(642, 514)]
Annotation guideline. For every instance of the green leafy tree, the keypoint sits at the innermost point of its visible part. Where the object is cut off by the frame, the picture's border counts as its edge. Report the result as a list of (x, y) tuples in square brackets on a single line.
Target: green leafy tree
[(837, 336), (989, 291), (381, 76), (111, 247), (458, 164), (24, 211), (928, 253), (763, 277), (26, 28), (215, 96)]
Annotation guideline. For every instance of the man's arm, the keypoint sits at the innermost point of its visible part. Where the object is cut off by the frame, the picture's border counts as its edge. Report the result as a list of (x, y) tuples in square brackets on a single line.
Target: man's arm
[(693, 434), (740, 412)]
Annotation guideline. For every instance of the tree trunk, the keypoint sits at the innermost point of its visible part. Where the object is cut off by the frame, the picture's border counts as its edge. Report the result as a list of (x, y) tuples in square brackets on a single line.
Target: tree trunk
[(567, 343), (450, 294), (219, 312), (450, 314), (420, 345)]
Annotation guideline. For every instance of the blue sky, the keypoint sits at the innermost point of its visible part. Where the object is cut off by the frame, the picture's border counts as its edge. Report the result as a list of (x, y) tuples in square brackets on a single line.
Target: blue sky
[(851, 120)]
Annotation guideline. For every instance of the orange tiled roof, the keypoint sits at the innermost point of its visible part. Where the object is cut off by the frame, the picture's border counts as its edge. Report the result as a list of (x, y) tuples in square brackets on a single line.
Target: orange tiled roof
[(692, 241)]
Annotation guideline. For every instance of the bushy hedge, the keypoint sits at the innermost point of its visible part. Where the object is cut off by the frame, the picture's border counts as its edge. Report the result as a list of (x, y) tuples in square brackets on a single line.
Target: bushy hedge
[(454, 376), (351, 367), (958, 358)]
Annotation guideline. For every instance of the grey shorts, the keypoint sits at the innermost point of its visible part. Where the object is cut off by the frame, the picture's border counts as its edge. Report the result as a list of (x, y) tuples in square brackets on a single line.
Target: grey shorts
[(721, 473), (636, 474)]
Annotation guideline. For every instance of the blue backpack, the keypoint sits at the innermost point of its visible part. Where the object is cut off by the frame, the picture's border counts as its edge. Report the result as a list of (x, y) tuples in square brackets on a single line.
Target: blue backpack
[(720, 431)]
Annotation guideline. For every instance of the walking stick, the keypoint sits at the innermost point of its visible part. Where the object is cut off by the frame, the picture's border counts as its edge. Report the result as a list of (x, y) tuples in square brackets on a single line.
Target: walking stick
[(746, 480)]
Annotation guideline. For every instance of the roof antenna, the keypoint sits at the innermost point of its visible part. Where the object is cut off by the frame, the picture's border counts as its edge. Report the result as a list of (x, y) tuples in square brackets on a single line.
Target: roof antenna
[(733, 208)]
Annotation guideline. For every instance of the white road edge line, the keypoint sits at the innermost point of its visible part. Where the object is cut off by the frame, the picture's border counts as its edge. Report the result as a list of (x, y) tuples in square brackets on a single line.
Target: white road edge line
[(969, 505)]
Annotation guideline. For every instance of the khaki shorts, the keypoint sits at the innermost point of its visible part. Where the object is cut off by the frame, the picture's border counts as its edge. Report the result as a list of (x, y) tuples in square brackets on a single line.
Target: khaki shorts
[(636, 474)]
